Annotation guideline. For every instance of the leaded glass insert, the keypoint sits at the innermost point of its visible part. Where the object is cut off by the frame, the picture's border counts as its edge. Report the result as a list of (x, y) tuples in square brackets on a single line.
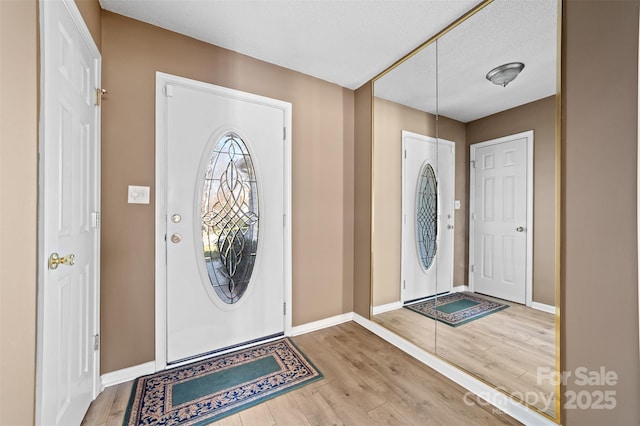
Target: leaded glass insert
[(427, 215), (230, 215)]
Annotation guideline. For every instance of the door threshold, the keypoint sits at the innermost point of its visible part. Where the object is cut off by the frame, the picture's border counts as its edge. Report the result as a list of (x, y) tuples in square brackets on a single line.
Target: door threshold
[(225, 350)]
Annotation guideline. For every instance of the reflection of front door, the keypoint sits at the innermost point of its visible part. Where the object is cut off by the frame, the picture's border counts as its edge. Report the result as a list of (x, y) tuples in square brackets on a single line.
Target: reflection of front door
[(499, 224), (427, 216), (224, 216), (69, 238)]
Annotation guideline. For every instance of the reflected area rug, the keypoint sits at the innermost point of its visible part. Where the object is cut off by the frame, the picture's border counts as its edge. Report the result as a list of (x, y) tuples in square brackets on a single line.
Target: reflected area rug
[(456, 309), (206, 391)]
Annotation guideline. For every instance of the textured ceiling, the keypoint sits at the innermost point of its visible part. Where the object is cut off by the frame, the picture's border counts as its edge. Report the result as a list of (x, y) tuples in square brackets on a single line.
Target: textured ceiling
[(504, 31), (346, 42)]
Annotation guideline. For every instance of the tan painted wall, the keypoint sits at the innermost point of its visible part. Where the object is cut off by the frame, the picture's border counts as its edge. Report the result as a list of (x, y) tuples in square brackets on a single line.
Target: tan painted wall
[(362, 201), (599, 327), (18, 209), (600, 258), (92, 15), (540, 117), (390, 119), (322, 178)]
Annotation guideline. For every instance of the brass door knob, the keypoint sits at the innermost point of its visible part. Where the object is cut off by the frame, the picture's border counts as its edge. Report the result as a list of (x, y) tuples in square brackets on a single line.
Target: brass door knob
[(55, 259)]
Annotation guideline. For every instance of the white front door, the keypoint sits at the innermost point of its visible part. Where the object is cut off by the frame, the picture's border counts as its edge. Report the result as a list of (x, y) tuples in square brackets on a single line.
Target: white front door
[(224, 216), (500, 227), (428, 182), (69, 217)]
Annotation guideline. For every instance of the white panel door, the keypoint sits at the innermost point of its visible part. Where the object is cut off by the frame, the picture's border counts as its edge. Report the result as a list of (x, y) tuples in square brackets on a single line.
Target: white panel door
[(499, 218), (199, 318), (427, 224), (70, 148)]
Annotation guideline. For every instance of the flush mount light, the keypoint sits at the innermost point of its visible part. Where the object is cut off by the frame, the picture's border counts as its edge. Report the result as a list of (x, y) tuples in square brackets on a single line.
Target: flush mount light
[(505, 74)]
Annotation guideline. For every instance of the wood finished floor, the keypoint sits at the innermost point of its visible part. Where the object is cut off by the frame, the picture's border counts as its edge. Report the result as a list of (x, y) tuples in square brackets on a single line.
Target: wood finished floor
[(504, 348), (366, 381)]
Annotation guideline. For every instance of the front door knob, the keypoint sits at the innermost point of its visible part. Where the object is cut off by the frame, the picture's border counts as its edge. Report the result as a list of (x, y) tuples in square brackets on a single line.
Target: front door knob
[(520, 229), (55, 260)]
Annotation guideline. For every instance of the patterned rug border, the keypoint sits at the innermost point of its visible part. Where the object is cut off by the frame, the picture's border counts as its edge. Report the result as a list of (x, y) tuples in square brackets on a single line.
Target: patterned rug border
[(258, 400), (467, 295)]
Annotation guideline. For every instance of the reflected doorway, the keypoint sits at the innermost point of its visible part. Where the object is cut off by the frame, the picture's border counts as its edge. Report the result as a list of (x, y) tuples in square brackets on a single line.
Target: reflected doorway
[(428, 182)]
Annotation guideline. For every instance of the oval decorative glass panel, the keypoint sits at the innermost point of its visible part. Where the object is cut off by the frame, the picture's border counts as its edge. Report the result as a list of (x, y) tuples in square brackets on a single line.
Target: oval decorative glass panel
[(230, 215), (426, 215)]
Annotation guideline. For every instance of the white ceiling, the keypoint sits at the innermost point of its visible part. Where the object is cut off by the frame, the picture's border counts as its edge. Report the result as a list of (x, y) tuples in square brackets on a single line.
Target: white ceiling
[(504, 31), (346, 42)]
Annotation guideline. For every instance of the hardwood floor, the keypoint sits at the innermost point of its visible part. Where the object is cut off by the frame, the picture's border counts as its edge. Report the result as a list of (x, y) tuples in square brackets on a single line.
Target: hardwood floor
[(505, 348), (366, 381)]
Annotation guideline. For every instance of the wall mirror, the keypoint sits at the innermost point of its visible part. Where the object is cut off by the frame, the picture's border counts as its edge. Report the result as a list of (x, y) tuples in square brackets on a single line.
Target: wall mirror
[(464, 209)]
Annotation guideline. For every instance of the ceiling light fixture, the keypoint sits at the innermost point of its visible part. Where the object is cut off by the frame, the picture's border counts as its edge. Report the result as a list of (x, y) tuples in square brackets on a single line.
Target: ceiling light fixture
[(505, 74)]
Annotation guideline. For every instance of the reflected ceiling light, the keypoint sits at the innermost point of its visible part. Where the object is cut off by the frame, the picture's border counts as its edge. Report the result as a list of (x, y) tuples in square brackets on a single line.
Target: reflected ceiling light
[(505, 74)]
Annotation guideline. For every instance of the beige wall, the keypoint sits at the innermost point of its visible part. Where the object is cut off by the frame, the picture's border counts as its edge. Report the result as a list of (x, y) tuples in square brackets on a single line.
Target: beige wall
[(539, 116), (92, 15), (18, 209), (322, 156), (390, 119), (599, 301), (362, 201)]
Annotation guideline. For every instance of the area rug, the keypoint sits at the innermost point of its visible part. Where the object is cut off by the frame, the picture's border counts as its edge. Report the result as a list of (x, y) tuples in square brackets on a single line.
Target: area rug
[(206, 391), (455, 309)]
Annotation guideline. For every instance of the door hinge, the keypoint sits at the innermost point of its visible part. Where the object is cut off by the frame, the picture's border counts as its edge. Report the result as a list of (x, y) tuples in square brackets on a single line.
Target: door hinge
[(96, 342), (405, 153), (284, 220), (168, 90), (284, 133), (473, 268), (95, 219), (284, 308), (99, 94), (473, 163), (404, 284)]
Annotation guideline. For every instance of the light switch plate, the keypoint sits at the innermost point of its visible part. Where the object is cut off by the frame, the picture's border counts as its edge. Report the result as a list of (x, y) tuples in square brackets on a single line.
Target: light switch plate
[(138, 194), (456, 204)]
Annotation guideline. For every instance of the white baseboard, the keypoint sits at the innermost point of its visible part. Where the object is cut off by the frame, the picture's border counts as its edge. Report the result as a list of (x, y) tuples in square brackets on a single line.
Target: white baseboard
[(542, 307), (320, 324), (126, 374), (386, 308), (460, 288), (475, 386)]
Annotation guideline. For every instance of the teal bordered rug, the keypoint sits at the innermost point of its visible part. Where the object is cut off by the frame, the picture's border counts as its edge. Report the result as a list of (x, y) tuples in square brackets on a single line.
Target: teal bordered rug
[(455, 309), (206, 391)]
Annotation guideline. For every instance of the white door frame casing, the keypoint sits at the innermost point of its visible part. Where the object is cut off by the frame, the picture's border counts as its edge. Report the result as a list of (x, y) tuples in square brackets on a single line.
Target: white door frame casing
[(528, 135), (95, 169), (162, 79)]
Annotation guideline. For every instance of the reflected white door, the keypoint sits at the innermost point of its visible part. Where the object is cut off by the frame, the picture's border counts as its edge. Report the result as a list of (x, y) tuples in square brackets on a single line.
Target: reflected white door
[(428, 182), (70, 199), (499, 225), (224, 220)]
